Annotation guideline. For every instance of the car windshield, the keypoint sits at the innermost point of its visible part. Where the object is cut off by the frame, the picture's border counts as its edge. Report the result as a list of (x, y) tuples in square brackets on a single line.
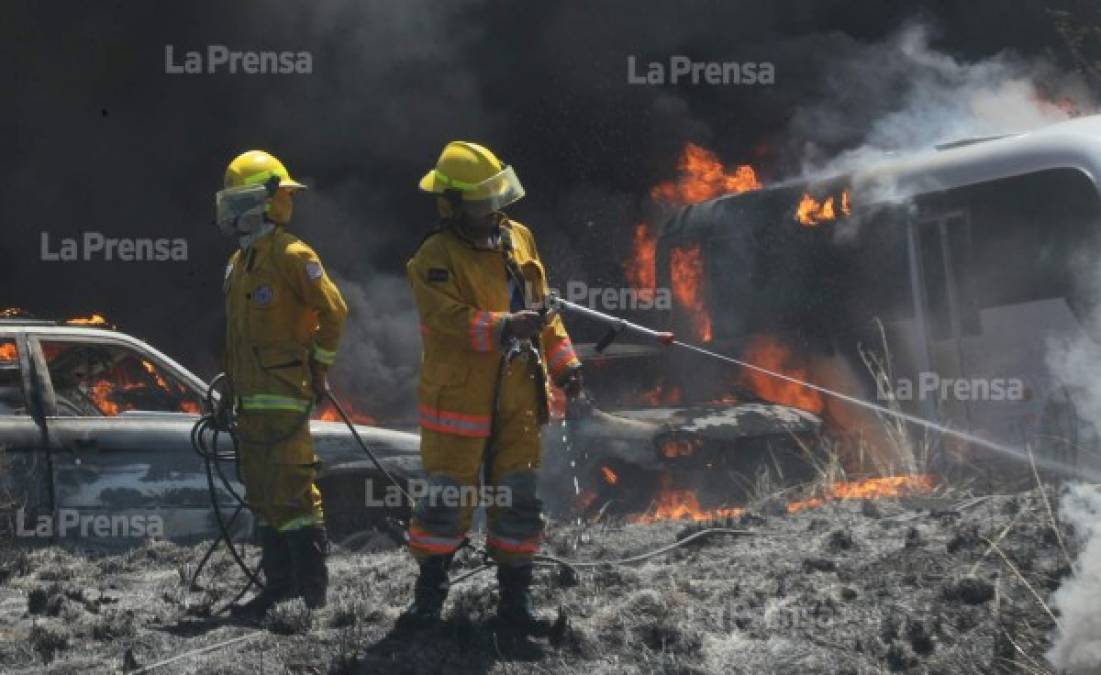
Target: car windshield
[(104, 380)]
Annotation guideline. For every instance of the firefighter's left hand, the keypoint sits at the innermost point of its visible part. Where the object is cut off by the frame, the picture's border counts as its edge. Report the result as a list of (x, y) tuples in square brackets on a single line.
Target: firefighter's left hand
[(319, 381)]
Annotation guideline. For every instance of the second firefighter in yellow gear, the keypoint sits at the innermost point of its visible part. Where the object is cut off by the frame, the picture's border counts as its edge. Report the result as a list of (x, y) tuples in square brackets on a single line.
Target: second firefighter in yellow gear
[(487, 365), (284, 319)]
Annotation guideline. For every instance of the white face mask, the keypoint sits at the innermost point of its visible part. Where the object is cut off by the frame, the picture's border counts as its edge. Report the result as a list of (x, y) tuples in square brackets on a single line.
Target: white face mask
[(246, 240), (240, 210)]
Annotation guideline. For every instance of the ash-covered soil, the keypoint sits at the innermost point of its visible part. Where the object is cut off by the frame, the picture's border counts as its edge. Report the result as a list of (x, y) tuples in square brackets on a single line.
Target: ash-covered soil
[(849, 587)]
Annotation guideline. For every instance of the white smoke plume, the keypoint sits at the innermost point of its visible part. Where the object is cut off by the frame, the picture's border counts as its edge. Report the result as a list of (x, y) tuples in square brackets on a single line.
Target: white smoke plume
[(1077, 641), (902, 95)]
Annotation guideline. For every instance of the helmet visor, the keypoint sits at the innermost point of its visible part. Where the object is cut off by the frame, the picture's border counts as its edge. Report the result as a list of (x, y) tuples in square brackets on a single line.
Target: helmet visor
[(240, 209), (492, 194)]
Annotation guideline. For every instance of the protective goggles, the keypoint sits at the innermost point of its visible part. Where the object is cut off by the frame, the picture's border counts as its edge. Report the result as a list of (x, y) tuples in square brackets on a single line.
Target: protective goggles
[(488, 196)]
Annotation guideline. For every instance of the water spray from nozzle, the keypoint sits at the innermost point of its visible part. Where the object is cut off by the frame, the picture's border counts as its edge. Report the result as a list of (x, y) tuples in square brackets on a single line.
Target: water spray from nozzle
[(618, 326)]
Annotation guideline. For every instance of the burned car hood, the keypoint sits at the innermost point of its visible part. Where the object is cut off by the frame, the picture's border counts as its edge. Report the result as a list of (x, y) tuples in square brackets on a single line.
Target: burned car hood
[(334, 444), (721, 422)]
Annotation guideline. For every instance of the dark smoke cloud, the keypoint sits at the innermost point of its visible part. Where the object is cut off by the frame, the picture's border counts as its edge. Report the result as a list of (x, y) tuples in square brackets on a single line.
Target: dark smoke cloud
[(100, 138)]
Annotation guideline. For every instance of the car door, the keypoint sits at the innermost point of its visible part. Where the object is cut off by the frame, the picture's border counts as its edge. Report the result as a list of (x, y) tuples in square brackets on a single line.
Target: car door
[(26, 473), (120, 420)]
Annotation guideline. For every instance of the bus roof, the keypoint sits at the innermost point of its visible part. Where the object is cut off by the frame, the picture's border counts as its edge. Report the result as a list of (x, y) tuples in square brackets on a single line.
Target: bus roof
[(1074, 144)]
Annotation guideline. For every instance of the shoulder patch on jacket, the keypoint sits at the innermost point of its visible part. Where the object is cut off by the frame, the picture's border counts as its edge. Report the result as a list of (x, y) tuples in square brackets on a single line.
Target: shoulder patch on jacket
[(437, 274), (314, 270)]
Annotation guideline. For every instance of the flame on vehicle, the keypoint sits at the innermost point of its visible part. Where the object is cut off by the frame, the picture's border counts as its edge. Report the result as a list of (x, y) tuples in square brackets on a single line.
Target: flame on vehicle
[(682, 504), (641, 268), (811, 212), (768, 352), (686, 269), (610, 476), (702, 177), (328, 413), (8, 352), (92, 320)]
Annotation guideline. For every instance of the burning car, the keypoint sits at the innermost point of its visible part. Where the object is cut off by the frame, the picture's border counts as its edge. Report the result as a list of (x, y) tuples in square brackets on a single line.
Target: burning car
[(96, 427), (651, 449)]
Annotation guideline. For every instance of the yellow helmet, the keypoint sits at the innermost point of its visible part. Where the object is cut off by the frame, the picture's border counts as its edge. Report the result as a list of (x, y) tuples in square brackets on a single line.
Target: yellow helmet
[(484, 183), (257, 167)]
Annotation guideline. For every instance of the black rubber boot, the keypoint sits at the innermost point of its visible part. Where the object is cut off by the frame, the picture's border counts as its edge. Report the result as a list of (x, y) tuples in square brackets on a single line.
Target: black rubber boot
[(429, 593), (516, 609), (309, 547), (275, 562)]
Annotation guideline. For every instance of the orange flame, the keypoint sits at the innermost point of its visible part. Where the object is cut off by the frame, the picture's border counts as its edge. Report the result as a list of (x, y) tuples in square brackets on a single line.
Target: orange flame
[(686, 275), (812, 212), (93, 320), (871, 488), (102, 392), (676, 504), (8, 352), (641, 268), (329, 413), (610, 476), (190, 406), (152, 370), (768, 353), (703, 177)]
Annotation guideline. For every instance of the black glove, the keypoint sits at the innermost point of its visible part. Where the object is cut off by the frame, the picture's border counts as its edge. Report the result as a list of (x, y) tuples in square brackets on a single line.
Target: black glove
[(578, 402), (572, 384)]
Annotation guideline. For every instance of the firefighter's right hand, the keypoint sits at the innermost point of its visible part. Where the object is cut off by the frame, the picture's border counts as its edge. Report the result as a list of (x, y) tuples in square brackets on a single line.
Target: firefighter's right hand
[(523, 325)]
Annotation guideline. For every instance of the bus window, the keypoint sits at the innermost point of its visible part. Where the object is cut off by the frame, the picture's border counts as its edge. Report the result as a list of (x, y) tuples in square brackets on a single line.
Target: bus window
[(1028, 235)]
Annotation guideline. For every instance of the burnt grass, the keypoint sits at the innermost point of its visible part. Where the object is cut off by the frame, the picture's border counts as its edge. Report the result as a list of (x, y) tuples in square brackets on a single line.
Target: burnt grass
[(894, 586)]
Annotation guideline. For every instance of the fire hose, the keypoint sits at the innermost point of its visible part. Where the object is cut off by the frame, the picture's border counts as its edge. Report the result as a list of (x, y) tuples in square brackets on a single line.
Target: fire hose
[(219, 420)]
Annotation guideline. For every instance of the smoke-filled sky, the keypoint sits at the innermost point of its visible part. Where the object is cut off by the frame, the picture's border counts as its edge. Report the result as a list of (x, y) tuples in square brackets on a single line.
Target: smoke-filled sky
[(100, 138)]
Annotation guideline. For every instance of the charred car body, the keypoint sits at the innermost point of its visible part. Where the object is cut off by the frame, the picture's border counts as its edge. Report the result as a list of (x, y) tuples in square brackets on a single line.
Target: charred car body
[(96, 424), (649, 438)]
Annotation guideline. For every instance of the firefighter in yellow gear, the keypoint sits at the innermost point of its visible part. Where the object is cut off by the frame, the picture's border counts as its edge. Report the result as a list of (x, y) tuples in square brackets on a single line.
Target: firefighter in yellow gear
[(488, 361), (284, 319)]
